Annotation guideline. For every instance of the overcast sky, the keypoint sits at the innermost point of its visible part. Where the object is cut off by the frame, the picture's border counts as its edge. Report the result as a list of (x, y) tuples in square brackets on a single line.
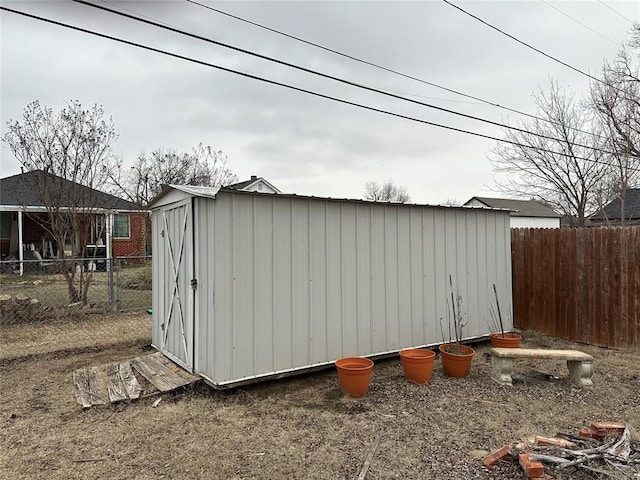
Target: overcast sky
[(300, 143)]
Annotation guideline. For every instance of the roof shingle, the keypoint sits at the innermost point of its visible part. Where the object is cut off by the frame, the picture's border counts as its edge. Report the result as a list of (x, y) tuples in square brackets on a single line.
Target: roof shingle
[(613, 210), (26, 190), (520, 208)]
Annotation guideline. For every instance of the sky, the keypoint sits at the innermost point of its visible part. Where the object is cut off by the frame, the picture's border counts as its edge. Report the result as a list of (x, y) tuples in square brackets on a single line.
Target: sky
[(302, 143)]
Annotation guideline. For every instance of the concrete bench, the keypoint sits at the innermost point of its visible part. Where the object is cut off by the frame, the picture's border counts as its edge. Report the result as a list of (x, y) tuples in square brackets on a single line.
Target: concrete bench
[(580, 364)]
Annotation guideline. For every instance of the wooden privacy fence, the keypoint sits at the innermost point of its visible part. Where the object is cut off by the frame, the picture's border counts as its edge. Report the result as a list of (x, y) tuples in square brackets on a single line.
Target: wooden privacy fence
[(581, 284)]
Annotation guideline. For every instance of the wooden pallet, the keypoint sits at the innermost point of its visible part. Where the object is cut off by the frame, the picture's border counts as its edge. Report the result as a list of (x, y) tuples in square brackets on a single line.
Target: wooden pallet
[(116, 382)]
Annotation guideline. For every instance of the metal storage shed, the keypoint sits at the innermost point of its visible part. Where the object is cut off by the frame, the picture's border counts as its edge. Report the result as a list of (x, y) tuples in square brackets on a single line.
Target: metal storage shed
[(249, 285)]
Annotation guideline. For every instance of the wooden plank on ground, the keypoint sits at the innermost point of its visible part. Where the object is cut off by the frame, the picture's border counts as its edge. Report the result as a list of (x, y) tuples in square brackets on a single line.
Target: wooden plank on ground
[(97, 397), (130, 381), (175, 368), (154, 372), (81, 384), (166, 372), (115, 385)]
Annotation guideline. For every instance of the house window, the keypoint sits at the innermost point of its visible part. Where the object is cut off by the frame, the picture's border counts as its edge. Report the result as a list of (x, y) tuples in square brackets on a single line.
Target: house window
[(121, 226), (6, 221)]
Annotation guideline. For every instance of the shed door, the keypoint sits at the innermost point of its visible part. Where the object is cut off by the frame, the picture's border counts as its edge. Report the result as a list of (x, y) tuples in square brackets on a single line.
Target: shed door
[(176, 266)]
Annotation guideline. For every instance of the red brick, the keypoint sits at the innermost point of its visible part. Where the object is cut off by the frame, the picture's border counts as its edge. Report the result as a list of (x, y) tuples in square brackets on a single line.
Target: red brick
[(531, 469), (554, 442), (590, 433), (608, 428), (496, 456)]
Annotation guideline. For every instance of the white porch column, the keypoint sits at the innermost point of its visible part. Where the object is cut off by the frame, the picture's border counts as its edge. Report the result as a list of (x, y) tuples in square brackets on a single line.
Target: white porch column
[(20, 248), (108, 237)]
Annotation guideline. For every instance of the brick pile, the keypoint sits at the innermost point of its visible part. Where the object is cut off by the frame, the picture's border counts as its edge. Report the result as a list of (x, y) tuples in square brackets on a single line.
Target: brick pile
[(602, 442)]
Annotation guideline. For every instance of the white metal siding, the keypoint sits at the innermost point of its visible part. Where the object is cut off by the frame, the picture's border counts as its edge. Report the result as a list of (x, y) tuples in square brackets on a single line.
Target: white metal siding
[(158, 289), (298, 282), (535, 222), (172, 293)]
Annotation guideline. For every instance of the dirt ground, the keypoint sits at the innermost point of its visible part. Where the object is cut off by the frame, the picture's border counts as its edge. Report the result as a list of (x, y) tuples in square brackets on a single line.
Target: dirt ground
[(302, 427)]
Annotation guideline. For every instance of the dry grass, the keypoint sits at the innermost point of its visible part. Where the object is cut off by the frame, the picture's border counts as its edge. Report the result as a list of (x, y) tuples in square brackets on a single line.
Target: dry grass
[(75, 330), (301, 427), (51, 289)]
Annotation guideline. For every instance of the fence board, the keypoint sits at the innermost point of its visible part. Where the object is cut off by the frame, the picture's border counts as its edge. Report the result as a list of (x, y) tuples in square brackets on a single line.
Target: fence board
[(580, 284)]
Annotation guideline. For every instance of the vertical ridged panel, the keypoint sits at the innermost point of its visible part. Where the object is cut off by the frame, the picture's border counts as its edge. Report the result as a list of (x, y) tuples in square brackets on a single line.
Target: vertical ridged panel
[(158, 283), (334, 279), (302, 281), (263, 314), (318, 282), (349, 282), (282, 283), (404, 285), (392, 279), (244, 262), (220, 344), (364, 279)]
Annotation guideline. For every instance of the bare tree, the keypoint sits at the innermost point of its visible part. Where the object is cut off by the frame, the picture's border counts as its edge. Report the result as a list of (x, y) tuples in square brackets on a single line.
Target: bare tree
[(557, 161), (202, 166), (385, 192), (616, 101), (64, 150), (452, 202)]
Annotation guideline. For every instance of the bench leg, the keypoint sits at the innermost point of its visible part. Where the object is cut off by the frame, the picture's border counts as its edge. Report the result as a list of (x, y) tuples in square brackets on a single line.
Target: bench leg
[(501, 370), (580, 373)]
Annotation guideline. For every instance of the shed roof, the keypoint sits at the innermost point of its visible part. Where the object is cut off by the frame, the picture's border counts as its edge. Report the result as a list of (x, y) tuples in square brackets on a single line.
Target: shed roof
[(519, 208), (24, 190), (210, 192)]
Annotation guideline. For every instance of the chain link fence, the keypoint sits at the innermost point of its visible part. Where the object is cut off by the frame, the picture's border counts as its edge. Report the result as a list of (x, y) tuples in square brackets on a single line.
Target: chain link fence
[(43, 307)]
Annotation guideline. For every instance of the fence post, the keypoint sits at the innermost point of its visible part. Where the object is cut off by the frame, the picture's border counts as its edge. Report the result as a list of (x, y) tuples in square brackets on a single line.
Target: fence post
[(118, 291), (113, 306)]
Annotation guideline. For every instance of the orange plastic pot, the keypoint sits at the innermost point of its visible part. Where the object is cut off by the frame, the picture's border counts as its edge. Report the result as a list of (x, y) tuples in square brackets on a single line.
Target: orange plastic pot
[(354, 375), (417, 364), (456, 364), (507, 340)]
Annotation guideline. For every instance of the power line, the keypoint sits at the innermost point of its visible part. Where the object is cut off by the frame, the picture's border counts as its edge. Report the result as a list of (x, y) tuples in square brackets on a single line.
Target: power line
[(320, 74), (440, 99), (293, 87), (579, 22), (616, 12), (528, 45), (381, 67)]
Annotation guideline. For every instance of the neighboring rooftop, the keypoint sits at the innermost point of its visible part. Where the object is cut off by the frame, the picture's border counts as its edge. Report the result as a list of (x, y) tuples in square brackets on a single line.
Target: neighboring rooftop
[(21, 190), (254, 184), (613, 210), (519, 208)]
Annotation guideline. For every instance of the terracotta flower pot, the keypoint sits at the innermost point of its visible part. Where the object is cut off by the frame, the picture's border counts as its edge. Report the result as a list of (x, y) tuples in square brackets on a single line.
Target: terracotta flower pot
[(417, 364), (456, 364), (354, 375), (508, 340)]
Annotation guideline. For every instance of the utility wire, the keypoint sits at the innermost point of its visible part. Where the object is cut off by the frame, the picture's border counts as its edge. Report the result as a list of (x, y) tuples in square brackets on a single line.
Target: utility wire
[(530, 46), (579, 22), (323, 75), (292, 87), (381, 67), (616, 12)]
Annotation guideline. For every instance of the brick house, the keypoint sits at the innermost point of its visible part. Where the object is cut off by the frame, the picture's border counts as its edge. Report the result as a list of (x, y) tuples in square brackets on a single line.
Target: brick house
[(118, 226)]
